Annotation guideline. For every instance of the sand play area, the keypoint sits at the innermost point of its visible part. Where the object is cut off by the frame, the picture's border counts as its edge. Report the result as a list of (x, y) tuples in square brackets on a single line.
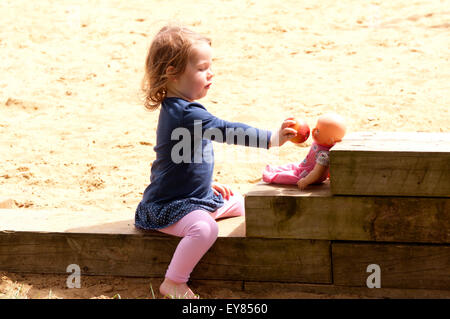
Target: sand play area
[(75, 135)]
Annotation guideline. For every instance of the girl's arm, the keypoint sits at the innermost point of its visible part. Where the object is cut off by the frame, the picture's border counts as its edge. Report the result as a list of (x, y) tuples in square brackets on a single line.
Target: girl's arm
[(197, 119), (312, 177)]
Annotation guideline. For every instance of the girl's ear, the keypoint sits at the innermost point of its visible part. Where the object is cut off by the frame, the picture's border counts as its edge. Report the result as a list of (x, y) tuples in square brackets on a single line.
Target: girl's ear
[(314, 131), (170, 73)]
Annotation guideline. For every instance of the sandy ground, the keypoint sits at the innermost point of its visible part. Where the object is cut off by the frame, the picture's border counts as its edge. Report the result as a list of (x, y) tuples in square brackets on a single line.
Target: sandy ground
[(75, 135)]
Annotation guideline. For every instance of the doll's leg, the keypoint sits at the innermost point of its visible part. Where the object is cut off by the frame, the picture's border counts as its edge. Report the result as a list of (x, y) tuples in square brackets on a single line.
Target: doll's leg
[(199, 231), (284, 174), (281, 168), (231, 208)]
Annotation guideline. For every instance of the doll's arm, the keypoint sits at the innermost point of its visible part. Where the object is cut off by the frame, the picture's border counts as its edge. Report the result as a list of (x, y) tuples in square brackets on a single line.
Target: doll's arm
[(312, 177)]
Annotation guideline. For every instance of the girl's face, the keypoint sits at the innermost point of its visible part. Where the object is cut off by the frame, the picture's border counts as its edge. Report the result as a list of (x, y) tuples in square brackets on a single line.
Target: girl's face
[(195, 82)]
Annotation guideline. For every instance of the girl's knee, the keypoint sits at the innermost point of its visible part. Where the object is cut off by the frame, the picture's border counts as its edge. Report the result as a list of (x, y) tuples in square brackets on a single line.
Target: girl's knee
[(207, 230)]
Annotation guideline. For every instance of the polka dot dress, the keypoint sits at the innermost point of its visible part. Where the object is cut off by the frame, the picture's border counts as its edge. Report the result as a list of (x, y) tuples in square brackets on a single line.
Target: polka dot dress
[(156, 216)]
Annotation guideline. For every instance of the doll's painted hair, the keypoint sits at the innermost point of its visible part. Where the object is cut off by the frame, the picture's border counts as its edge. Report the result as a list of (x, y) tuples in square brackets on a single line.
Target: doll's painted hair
[(171, 46)]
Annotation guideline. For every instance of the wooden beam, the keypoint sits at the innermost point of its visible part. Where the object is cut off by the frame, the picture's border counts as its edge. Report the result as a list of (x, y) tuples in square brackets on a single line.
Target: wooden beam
[(295, 290), (261, 259), (92, 222), (402, 266), (116, 248), (281, 211), (391, 164)]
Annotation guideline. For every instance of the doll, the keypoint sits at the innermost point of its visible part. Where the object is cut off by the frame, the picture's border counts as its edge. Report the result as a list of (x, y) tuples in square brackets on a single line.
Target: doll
[(314, 169)]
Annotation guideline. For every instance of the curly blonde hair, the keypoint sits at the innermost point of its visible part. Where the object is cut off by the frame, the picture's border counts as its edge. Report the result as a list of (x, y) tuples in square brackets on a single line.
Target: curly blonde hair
[(171, 46)]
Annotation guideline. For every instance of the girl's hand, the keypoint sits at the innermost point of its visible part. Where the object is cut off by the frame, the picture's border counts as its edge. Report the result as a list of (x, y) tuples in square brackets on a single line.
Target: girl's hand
[(222, 189), (284, 134)]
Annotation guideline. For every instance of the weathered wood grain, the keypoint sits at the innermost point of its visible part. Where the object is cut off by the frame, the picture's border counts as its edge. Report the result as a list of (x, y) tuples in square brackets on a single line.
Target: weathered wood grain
[(304, 291), (260, 259), (402, 266), (277, 211), (117, 248), (92, 222), (230, 258), (391, 164)]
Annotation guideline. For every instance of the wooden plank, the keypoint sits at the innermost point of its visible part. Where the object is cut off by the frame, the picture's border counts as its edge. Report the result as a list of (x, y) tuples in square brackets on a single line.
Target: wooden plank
[(92, 222), (398, 142), (116, 248), (391, 164), (259, 259), (230, 258), (280, 211), (402, 266), (262, 290)]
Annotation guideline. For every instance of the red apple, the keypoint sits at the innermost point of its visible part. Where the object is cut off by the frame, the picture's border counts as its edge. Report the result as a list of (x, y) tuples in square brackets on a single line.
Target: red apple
[(303, 131)]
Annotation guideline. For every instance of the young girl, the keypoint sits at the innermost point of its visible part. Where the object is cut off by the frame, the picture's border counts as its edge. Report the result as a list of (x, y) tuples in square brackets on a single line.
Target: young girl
[(181, 199)]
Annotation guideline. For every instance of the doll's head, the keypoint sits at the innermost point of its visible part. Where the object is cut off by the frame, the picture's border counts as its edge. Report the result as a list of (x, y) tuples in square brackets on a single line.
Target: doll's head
[(329, 130)]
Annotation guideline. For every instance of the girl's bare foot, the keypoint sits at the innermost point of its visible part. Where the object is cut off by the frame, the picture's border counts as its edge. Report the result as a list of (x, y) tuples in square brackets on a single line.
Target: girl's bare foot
[(175, 290)]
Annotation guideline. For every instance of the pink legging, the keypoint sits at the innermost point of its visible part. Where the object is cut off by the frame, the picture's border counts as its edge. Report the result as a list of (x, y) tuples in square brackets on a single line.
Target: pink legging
[(199, 231)]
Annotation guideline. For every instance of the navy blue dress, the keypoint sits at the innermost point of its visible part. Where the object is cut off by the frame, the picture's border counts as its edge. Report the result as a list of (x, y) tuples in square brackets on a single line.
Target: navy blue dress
[(181, 175)]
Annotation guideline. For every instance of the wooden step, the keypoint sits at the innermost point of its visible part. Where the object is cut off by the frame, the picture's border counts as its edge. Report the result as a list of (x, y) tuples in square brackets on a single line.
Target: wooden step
[(109, 244), (283, 211), (401, 266), (307, 291), (391, 164)]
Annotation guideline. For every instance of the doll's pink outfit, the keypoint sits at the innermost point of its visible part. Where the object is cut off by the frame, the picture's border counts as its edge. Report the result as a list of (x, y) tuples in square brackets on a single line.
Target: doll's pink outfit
[(293, 172)]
